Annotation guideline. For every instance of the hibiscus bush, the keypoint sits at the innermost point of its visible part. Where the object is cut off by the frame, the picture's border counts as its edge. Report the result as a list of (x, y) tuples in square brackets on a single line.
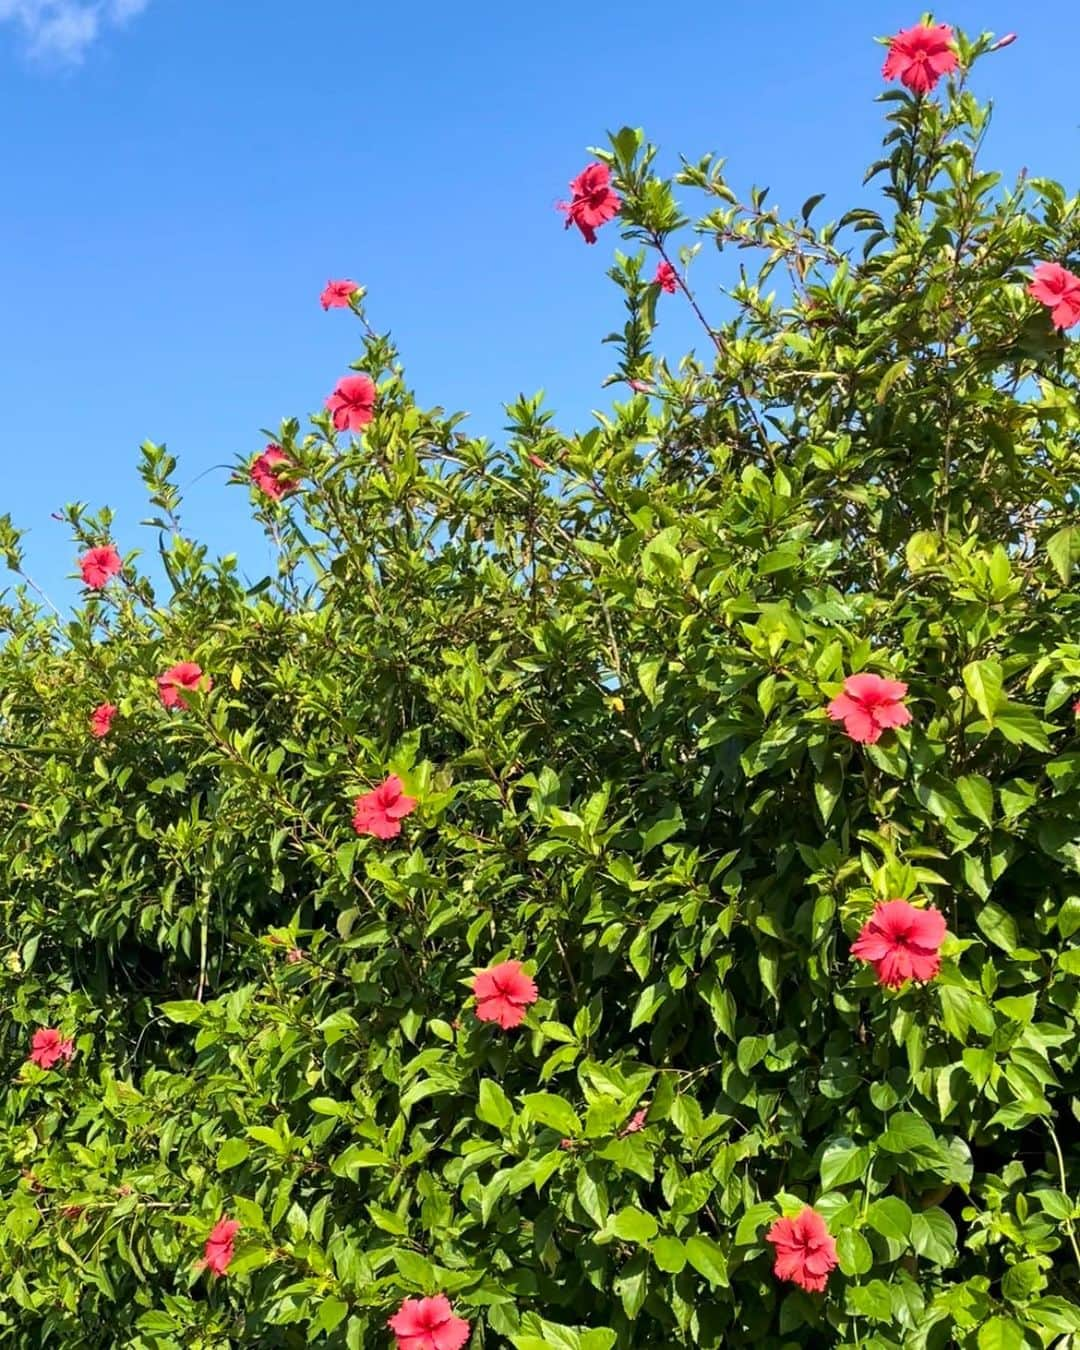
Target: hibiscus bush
[(603, 889)]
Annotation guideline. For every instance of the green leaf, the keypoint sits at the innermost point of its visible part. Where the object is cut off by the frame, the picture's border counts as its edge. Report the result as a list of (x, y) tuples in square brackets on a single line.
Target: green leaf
[(985, 683), (853, 1252), (1021, 725), (660, 830), (185, 1010), (546, 1109), (933, 1235), (332, 1312), (634, 1225), (843, 1160), (977, 796), (669, 1254), (708, 1259), (232, 1153), (1062, 549), (1022, 1280), (493, 1107), (890, 1217), (906, 1132), (999, 926), (648, 1004), (1001, 1333), (751, 1222)]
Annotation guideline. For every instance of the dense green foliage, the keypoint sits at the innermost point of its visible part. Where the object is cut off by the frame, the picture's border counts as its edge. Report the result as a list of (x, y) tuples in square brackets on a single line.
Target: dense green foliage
[(601, 661)]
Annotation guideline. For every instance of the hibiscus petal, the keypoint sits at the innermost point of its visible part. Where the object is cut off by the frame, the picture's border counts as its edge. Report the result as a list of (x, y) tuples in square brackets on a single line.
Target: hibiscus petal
[(451, 1335), (924, 967), (861, 727), (891, 715)]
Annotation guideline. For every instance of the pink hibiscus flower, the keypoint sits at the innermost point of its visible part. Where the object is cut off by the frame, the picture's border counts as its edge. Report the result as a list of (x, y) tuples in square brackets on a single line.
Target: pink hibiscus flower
[(1059, 290), (381, 811), (868, 706), (428, 1324), (919, 56), (218, 1252), (336, 294), (48, 1047), (594, 202), (98, 565), (901, 942), (805, 1251), (503, 993), (353, 402)]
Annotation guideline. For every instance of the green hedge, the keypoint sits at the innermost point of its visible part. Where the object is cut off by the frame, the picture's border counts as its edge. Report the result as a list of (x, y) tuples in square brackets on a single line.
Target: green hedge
[(601, 664)]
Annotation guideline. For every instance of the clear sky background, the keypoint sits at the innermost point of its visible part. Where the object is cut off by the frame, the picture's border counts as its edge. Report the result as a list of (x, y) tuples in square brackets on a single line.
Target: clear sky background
[(181, 177)]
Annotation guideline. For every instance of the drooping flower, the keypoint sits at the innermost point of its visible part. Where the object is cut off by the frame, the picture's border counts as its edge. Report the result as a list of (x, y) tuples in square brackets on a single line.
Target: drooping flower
[(98, 565), (218, 1252), (919, 56), (381, 811), (635, 1123), (428, 1324), (101, 719), (901, 942), (503, 993), (805, 1250), (336, 294), (263, 473), (1059, 290), (666, 277), (594, 202), (184, 675), (353, 402), (868, 706), (48, 1047)]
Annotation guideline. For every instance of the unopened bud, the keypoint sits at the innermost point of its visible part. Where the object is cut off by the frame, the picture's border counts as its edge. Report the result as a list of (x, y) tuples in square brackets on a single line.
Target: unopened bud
[(1006, 41)]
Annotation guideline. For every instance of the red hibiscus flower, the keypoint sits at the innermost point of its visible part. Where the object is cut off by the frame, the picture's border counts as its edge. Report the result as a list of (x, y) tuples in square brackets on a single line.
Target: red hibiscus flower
[(263, 473), (593, 202), (101, 719), (381, 811), (919, 56), (185, 675), (503, 993), (1059, 290), (48, 1047), (98, 565), (218, 1252), (868, 706), (336, 294), (805, 1252), (901, 942), (428, 1324), (353, 402), (666, 277), (635, 1123)]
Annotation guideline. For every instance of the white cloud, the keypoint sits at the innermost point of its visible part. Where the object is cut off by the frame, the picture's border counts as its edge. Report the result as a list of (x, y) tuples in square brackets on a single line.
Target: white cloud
[(59, 32)]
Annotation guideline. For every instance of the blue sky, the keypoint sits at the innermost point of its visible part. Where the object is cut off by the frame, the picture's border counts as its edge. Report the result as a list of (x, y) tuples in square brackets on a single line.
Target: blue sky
[(182, 176)]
